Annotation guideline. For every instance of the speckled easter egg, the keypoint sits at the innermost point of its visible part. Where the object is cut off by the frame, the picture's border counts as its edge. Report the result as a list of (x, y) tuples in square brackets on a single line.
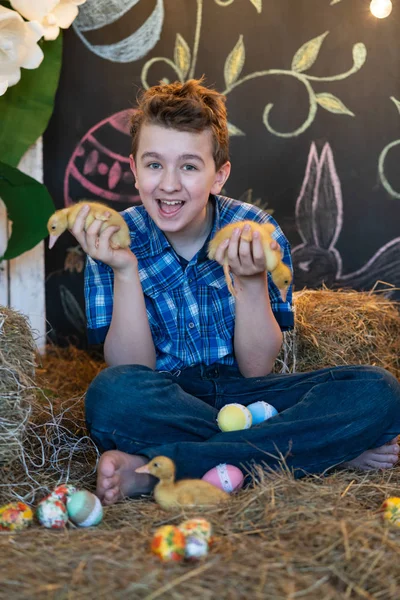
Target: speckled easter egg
[(63, 491), (196, 547), (15, 516), (84, 509), (234, 417), (391, 511), (198, 528), (52, 513), (225, 477), (169, 543), (261, 411)]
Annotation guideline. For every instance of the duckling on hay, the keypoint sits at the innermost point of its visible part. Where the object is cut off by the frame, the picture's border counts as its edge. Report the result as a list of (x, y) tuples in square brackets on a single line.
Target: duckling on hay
[(170, 494), (280, 273), (64, 219)]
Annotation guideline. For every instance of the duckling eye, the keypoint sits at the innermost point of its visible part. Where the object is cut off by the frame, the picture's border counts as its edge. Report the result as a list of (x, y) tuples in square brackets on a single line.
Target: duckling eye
[(155, 465), (286, 281), (53, 226)]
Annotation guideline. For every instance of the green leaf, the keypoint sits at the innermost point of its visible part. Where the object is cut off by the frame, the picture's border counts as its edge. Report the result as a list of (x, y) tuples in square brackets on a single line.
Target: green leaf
[(233, 130), (333, 104), (29, 207), (26, 108), (234, 63), (181, 55), (306, 56)]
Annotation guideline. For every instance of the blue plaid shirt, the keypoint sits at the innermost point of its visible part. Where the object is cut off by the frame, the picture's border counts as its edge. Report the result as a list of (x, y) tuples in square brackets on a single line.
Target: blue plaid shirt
[(190, 309)]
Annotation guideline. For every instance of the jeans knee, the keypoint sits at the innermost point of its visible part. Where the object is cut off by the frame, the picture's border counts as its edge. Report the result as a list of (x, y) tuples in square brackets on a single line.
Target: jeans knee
[(116, 392)]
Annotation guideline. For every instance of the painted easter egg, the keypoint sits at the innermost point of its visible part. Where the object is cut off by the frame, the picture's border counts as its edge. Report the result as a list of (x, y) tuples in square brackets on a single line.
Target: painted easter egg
[(391, 510), (225, 477), (234, 417), (52, 513), (168, 543), (261, 411), (63, 491), (196, 547), (84, 509), (198, 528), (15, 516), (99, 166)]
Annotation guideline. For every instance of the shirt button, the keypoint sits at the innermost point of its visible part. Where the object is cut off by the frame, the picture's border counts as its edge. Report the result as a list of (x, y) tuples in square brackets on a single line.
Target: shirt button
[(191, 325), (190, 280)]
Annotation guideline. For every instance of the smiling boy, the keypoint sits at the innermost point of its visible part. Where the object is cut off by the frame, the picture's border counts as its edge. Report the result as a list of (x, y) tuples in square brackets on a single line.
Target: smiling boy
[(179, 346)]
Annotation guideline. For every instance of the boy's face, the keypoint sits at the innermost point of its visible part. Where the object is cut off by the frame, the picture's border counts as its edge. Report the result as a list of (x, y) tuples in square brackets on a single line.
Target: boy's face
[(175, 173)]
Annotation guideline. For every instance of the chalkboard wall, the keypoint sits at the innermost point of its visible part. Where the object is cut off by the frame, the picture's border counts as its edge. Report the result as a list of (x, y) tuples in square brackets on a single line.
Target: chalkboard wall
[(313, 98)]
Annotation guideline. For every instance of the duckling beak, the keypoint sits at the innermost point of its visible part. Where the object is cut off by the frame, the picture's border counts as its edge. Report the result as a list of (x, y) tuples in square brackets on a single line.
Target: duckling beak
[(284, 292), (52, 240), (143, 469)]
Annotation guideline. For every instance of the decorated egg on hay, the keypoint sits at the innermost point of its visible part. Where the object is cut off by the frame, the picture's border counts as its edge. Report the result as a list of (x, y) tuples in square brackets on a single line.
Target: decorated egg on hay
[(84, 509), (261, 411), (234, 417), (169, 543), (391, 510), (63, 491), (196, 547), (15, 516), (52, 513), (225, 477), (197, 527)]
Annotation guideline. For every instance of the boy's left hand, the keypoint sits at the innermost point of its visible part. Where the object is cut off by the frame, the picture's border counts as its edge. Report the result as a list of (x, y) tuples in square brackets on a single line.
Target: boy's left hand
[(245, 259)]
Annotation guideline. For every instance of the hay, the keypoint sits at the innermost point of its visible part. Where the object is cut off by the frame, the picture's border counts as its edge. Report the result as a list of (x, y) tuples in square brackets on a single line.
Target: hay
[(334, 328), (17, 367), (318, 538)]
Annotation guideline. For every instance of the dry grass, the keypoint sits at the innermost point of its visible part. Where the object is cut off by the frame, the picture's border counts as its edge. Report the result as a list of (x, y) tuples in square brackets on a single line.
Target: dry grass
[(318, 538)]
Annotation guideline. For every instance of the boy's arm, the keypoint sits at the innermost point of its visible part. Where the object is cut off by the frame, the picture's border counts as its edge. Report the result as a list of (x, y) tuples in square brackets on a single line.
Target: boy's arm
[(258, 337), (129, 339)]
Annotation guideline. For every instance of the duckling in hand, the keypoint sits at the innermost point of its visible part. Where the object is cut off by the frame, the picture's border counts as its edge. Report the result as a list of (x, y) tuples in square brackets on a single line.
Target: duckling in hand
[(280, 273), (187, 492), (64, 219)]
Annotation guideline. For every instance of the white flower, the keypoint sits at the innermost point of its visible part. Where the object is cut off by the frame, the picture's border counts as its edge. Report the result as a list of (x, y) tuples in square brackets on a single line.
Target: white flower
[(18, 47), (51, 14)]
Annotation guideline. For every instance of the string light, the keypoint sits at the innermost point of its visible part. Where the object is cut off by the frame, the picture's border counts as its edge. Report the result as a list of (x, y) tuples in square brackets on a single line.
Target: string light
[(381, 8)]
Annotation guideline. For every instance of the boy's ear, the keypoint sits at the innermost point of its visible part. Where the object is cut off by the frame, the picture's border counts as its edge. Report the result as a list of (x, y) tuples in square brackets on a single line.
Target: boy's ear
[(220, 178), (133, 169)]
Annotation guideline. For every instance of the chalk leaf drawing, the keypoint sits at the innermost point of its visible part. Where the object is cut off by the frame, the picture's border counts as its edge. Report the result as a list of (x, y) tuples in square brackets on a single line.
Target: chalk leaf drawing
[(256, 3), (335, 2), (303, 60), (382, 159), (319, 220), (100, 13), (182, 55)]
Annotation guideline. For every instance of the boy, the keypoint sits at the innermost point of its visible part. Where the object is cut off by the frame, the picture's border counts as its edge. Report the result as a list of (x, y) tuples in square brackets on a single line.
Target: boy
[(179, 346)]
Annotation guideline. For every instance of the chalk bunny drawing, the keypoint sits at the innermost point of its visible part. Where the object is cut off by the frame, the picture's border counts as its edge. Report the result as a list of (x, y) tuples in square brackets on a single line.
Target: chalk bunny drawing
[(319, 220)]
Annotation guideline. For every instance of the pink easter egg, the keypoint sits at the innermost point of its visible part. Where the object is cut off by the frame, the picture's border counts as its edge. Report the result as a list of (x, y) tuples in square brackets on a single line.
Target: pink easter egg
[(225, 477)]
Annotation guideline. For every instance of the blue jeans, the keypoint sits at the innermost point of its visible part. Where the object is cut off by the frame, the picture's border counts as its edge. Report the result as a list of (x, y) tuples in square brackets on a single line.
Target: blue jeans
[(325, 417)]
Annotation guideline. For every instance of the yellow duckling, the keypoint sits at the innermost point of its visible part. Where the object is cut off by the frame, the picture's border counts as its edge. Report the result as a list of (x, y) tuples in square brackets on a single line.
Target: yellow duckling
[(280, 273), (391, 510), (65, 218), (187, 492)]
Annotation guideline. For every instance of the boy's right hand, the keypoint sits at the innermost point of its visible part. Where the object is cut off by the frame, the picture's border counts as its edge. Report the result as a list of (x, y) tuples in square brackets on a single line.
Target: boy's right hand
[(97, 245)]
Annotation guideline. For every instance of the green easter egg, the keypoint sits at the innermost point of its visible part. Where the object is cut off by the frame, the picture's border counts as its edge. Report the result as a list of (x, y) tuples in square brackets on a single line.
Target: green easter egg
[(84, 509)]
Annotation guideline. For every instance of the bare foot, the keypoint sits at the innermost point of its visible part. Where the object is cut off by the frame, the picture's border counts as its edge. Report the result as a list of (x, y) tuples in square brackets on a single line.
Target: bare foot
[(116, 477), (384, 457)]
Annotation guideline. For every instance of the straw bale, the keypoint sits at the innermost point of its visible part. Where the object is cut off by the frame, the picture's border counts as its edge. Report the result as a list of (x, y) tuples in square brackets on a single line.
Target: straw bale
[(17, 368), (341, 327)]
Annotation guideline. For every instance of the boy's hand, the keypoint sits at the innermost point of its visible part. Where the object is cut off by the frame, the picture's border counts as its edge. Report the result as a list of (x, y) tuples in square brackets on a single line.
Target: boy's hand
[(97, 245), (245, 259)]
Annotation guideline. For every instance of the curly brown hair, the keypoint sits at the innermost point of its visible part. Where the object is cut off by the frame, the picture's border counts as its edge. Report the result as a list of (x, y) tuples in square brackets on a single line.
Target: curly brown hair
[(188, 106)]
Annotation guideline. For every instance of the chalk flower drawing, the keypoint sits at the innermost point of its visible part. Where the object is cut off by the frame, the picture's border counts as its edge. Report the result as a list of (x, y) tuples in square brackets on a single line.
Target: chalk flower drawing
[(184, 62), (382, 158), (18, 47), (51, 14)]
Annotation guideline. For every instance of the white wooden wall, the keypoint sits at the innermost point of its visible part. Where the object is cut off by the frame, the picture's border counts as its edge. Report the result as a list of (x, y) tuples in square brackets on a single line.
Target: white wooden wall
[(22, 280)]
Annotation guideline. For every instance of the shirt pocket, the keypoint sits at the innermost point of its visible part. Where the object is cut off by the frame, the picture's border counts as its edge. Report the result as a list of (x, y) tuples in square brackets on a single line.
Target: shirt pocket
[(218, 317)]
